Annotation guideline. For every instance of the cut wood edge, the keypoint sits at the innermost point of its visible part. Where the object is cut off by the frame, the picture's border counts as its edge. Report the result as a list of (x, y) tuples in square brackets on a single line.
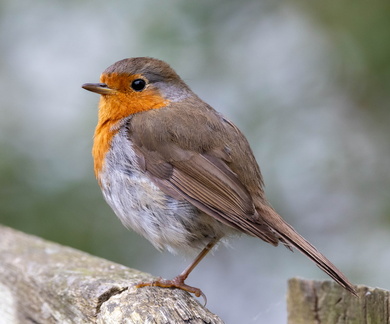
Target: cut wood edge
[(311, 301)]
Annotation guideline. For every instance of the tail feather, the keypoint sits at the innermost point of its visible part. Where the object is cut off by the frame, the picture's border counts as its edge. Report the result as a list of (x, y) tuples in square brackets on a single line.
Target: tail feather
[(291, 238), (320, 260)]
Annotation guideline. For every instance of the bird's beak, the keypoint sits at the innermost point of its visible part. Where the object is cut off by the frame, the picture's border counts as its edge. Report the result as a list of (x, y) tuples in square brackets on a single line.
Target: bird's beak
[(100, 88)]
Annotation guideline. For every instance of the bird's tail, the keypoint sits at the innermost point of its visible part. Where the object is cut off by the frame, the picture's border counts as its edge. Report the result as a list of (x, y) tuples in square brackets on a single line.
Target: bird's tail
[(290, 237)]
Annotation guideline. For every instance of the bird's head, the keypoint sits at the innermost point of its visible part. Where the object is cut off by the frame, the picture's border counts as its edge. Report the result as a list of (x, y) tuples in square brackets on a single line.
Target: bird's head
[(137, 84)]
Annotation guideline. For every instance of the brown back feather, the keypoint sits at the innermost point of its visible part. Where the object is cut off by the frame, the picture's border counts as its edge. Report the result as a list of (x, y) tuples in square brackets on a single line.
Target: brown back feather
[(199, 156)]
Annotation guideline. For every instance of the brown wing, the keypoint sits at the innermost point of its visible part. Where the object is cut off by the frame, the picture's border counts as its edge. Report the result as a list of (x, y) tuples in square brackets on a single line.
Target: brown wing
[(199, 158), (209, 184), (206, 182)]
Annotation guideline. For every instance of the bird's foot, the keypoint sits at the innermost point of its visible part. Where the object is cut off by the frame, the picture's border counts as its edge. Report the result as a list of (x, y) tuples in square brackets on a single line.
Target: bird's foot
[(177, 282)]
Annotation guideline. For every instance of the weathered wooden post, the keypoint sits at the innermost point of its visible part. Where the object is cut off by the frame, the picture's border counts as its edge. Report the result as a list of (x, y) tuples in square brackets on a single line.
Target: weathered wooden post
[(43, 282), (325, 302)]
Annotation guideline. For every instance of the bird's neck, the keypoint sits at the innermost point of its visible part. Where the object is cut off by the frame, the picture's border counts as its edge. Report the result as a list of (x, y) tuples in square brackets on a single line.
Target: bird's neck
[(112, 111)]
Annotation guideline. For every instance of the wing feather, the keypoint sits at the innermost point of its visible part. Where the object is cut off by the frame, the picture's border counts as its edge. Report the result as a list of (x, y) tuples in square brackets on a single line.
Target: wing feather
[(210, 185)]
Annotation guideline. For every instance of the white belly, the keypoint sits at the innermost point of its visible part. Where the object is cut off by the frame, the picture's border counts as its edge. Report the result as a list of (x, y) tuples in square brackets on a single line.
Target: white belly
[(167, 223)]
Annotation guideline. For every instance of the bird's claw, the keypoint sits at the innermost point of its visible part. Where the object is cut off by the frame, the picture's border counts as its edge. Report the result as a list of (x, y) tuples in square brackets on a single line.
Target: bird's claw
[(177, 282)]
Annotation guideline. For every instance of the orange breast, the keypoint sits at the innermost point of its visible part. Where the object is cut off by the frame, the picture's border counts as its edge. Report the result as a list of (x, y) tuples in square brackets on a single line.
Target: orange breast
[(101, 145), (112, 110)]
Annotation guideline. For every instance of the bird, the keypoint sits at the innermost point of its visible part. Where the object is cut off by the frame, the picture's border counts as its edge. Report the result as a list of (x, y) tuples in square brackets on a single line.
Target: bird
[(178, 172)]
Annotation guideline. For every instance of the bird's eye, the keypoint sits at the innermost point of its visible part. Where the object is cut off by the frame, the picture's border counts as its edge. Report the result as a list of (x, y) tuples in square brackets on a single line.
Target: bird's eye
[(138, 84)]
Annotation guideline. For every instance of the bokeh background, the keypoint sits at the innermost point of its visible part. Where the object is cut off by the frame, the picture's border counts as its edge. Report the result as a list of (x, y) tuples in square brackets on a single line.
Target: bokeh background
[(307, 82)]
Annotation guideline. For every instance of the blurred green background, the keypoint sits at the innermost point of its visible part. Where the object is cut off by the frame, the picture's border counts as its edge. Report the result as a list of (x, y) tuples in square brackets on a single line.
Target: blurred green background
[(307, 82)]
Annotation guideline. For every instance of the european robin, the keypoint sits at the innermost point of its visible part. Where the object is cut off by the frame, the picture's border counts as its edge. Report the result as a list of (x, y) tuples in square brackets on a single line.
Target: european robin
[(178, 172)]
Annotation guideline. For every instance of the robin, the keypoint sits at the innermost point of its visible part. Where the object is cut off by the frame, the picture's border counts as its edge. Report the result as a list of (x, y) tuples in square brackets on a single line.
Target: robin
[(178, 172)]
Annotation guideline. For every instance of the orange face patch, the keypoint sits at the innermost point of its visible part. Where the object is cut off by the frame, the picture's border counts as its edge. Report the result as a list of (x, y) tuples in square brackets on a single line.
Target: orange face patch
[(123, 102), (126, 101)]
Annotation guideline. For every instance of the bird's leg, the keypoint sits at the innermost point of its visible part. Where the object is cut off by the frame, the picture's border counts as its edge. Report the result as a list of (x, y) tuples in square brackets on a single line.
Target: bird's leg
[(178, 282)]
